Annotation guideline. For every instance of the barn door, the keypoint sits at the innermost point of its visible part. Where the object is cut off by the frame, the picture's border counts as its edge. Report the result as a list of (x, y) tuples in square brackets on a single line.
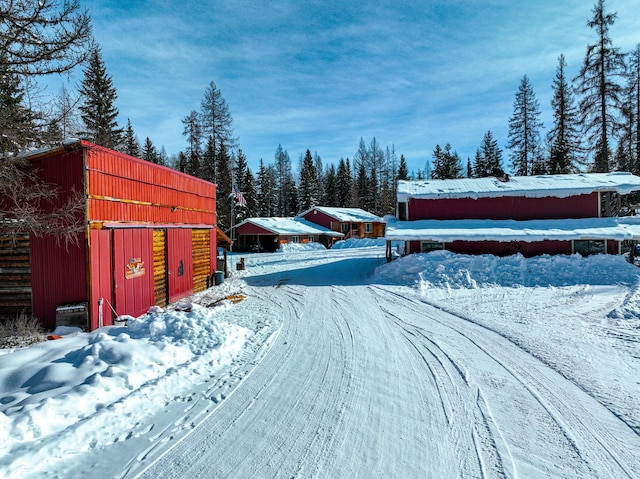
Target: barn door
[(179, 263), (160, 289), (201, 259)]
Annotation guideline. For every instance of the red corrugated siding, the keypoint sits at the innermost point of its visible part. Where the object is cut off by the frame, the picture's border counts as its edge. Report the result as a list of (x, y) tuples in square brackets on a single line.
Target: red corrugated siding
[(516, 208), (498, 248), (179, 263), (251, 229), (126, 189), (101, 277), (319, 218), (58, 276), (133, 296)]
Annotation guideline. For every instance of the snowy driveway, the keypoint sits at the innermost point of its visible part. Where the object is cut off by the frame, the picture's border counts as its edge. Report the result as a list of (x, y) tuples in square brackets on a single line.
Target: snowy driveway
[(337, 365), (371, 381)]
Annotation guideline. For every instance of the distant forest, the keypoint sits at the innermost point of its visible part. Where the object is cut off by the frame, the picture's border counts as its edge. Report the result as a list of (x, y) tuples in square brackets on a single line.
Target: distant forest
[(596, 124)]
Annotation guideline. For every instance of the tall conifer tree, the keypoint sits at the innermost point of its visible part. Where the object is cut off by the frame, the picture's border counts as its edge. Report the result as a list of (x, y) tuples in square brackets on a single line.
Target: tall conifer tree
[(524, 130), (599, 90), (98, 110)]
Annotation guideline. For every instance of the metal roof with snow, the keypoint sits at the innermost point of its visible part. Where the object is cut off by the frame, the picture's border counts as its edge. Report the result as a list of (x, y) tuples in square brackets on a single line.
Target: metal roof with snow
[(345, 215), (445, 231), (290, 226), (559, 186)]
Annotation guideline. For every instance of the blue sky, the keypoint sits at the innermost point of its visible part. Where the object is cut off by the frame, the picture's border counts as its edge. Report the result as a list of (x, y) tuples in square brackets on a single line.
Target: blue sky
[(322, 74)]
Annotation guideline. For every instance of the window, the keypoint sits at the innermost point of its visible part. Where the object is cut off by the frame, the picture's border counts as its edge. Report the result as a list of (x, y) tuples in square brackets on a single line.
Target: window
[(587, 247), (345, 228), (428, 246), (402, 211), (295, 239), (310, 239), (368, 228)]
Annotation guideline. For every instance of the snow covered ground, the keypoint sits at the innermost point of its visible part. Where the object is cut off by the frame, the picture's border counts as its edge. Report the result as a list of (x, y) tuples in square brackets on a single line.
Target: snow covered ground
[(336, 364)]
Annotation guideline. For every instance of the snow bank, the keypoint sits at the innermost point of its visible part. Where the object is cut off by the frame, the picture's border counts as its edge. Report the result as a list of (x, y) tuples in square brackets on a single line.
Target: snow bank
[(298, 247), (358, 243), (65, 383), (449, 270)]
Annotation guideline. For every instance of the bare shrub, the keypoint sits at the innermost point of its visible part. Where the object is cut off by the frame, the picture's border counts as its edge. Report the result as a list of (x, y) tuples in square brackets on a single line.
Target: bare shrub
[(22, 331)]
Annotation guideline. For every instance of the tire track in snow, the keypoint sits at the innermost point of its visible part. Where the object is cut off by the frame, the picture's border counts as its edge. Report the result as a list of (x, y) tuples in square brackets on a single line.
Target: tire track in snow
[(577, 415)]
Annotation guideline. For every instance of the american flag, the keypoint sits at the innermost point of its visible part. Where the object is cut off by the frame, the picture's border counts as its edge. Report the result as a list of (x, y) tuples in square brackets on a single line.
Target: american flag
[(239, 196)]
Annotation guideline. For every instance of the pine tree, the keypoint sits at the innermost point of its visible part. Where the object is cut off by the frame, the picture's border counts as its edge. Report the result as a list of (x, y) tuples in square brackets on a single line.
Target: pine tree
[(331, 187), (403, 169), (308, 189), (343, 184), (130, 144), (98, 110), (488, 161), (266, 191), (362, 186), (250, 195), (208, 167), (564, 137), (224, 198), (193, 132), (524, 130), (447, 163), (15, 120), (284, 181), (216, 122), (149, 152), (628, 151), (600, 93)]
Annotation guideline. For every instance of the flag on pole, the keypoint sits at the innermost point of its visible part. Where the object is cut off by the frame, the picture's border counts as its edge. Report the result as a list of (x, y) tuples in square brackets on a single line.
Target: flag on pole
[(239, 196)]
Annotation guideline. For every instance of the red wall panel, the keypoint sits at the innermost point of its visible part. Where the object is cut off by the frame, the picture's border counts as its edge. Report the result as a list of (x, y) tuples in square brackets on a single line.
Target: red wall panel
[(508, 207), (251, 229), (179, 263), (133, 270), (506, 248), (319, 218), (58, 276), (126, 189), (101, 277)]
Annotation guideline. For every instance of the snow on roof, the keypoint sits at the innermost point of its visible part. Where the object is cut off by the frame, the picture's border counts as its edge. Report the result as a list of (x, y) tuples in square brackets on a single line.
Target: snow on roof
[(559, 186), (291, 226), (622, 228), (345, 214)]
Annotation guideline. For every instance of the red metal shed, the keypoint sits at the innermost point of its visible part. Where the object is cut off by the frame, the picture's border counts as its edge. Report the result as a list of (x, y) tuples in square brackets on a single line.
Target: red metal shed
[(150, 235)]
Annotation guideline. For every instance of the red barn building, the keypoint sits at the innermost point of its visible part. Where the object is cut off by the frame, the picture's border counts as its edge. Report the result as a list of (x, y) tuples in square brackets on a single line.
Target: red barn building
[(150, 237), (530, 215)]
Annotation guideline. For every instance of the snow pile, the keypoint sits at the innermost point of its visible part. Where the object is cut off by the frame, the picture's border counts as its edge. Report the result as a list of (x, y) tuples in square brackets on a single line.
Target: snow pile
[(67, 383), (447, 270), (358, 243), (299, 247)]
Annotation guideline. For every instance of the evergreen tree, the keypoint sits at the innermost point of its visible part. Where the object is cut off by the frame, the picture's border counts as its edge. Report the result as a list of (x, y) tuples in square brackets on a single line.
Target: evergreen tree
[(15, 120), (362, 186), (628, 151), (149, 152), (284, 181), (266, 194), (308, 190), (193, 132), (208, 169), (600, 93), (488, 161), (564, 137), (343, 184), (224, 199), (331, 187), (163, 158), (469, 168), (216, 122), (403, 169), (98, 110), (131, 146), (447, 163), (250, 195), (524, 130)]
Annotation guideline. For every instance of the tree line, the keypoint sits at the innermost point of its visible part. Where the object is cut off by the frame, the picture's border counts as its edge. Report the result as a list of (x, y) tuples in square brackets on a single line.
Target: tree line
[(596, 124)]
